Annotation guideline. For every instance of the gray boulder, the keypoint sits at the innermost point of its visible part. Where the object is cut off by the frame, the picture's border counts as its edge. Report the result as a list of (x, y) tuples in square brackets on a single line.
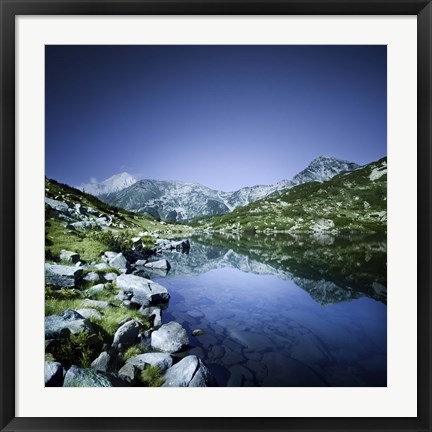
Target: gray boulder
[(109, 255), (62, 275), (81, 210), (66, 323), (154, 313), (144, 292), (127, 334), (91, 277), (102, 221), (109, 277), (53, 374), (95, 289), (105, 362), (162, 264), (128, 372), (119, 262), (69, 256), (78, 377), (170, 338), (84, 225), (181, 245), (88, 303), (90, 313), (161, 360), (140, 262), (101, 266), (189, 372), (60, 206)]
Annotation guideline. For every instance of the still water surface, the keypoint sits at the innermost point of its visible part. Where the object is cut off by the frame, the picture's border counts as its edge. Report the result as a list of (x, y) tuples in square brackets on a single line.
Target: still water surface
[(283, 311)]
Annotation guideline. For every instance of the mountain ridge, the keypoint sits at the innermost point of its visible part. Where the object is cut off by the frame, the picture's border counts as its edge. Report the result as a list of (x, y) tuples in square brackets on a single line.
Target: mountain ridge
[(181, 201), (354, 201)]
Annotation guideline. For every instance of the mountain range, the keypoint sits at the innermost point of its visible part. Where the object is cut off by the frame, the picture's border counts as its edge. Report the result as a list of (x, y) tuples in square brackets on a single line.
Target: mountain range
[(182, 201), (354, 201)]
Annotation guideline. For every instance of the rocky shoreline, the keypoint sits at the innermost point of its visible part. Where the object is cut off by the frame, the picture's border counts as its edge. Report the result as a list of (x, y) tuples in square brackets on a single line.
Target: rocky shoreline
[(103, 323), (164, 346)]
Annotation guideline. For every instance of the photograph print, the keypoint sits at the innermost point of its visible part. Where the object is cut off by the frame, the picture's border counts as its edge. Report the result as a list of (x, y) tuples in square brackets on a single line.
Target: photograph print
[(215, 215)]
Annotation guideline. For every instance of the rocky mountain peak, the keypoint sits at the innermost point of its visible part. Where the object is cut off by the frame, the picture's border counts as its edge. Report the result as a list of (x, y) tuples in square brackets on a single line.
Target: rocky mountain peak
[(323, 168), (115, 183)]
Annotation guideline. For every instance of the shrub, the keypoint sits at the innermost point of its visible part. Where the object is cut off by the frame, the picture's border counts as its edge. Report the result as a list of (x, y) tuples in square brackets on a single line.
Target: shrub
[(76, 350), (151, 376), (114, 316), (134, 350)]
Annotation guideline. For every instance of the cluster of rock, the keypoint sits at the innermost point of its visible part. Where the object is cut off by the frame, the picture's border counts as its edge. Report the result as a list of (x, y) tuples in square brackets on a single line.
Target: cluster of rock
[(79, 217), (166, 343), (181, 245), (188, 372)]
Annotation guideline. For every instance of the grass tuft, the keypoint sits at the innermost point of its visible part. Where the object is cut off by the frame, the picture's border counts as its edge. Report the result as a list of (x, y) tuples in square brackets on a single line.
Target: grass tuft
[(151, 376), (134, 351)]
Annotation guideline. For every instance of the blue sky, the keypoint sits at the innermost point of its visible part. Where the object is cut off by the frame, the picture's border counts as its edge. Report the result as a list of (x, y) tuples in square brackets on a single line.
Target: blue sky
[(223, 116)]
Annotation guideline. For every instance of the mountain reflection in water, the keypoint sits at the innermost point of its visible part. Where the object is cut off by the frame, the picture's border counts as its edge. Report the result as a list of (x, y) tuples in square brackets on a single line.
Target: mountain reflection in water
[(284, 311)]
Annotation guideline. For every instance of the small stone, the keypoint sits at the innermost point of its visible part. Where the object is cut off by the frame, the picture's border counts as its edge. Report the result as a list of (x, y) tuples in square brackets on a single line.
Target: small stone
[(95, 289), (162, 264), (105, 362), (109, 277), (90, 313), (128, 372), (69, 256), (160, 360), (153, 313), (119, 262), (95, 303), (198, 332), (91, 277)]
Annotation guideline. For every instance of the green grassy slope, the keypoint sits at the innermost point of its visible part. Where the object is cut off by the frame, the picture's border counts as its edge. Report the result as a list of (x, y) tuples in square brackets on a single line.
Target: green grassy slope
[(355, 201)]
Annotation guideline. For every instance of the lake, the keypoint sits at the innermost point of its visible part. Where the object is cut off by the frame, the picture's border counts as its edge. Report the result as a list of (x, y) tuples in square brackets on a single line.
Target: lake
[(282, 310)]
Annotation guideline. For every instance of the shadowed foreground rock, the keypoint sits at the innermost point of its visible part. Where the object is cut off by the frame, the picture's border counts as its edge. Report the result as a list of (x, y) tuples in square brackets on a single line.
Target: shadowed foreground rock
[(160, 360), (66, 323), (189, 372), (77, 377), (53, 374)]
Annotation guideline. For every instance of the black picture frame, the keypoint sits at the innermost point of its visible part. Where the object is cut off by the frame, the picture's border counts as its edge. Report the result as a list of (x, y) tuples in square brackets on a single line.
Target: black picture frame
[(9, 9)]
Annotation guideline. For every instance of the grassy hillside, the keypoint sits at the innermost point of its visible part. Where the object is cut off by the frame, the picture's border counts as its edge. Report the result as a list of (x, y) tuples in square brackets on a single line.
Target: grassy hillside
[(351, 202), (92, 241)]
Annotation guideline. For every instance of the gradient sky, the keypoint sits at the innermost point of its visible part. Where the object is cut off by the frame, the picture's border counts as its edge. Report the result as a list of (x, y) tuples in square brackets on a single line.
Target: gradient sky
[(223, 116)]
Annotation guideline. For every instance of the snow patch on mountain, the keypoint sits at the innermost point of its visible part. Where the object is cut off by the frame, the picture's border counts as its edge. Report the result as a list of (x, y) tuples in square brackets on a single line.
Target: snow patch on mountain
[(113, 184)]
